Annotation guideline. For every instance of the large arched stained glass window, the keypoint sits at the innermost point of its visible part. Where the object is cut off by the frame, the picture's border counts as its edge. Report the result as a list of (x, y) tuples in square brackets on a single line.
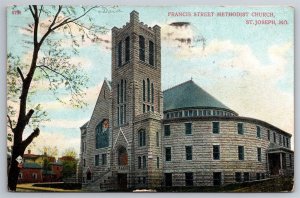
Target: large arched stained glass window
[(102, 134)]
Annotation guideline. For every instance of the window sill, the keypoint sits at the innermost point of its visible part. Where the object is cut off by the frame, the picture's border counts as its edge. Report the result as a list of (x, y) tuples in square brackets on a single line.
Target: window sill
[(124, 64), (147, 64)]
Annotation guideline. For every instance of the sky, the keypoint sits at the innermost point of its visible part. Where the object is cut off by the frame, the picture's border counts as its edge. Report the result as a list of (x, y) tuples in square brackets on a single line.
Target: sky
[(248, 67)]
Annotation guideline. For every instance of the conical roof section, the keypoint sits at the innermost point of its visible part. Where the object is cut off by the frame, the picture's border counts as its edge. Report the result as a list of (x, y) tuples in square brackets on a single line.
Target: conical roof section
[(189, 95)]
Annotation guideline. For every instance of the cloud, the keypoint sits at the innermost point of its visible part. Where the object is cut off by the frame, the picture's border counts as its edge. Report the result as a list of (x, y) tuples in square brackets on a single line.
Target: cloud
[(253, 91), (58, 140), (65, 123), (90, 98), (81, 62)]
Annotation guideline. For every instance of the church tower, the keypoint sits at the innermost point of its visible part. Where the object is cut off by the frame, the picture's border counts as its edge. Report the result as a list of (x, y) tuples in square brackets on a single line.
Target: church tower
[(136, 104)]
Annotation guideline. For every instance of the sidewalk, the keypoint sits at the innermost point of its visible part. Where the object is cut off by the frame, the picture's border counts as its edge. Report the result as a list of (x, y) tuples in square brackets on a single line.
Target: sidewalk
[(30, 188)]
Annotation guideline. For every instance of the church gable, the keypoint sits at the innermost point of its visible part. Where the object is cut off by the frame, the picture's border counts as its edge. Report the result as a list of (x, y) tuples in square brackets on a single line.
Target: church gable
[(99, 124), (103, 100)]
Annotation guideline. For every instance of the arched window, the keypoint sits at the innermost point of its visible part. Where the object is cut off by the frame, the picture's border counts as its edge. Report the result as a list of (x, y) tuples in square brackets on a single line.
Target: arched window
[(142, 48), (121, 102), (127, 49), (120, 54), (122, 156), (102, 134), (148, 90), (152, 93), (118, 96), (151, 53), (122, 91), (121, 114), (142, 137), (118, 116), (144, 91), (125, 91)]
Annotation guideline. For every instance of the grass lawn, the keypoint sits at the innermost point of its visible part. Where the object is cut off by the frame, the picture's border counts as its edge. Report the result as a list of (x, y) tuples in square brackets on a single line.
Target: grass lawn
[(281, 184)]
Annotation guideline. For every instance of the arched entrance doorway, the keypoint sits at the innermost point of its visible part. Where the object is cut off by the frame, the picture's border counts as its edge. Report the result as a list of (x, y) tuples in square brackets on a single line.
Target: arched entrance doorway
[(88, 175)]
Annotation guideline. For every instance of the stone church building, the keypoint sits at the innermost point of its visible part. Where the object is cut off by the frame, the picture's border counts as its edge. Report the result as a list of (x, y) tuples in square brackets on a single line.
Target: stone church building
[(142, 137)]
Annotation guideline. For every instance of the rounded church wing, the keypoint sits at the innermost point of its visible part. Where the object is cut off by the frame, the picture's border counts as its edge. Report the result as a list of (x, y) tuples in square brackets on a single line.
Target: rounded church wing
[(206, 143)]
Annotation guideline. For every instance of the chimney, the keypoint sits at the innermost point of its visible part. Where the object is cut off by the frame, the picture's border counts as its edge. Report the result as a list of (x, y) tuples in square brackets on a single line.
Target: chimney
[(29, 151)]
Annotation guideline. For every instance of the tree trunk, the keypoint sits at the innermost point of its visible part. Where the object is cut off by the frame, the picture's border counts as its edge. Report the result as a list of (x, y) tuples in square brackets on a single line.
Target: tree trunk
[(14, 170)]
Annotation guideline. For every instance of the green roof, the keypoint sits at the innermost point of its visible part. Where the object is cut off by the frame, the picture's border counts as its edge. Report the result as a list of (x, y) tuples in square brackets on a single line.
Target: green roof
[(31, 165), (189, 95)]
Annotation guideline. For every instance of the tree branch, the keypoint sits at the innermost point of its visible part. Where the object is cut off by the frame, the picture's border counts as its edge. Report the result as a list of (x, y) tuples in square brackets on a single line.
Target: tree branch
[(21, 74), (10, 123), (40, 11), (28, 115), (29, 139), (80, 25), (51, 25), (83, 14), (53, 70), (35, 10), (30, 8), (55, 17), (66, 21), (35, 30)]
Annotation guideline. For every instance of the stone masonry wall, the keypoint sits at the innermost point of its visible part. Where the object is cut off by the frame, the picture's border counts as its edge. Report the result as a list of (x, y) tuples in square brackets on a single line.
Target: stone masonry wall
[(202, 141)]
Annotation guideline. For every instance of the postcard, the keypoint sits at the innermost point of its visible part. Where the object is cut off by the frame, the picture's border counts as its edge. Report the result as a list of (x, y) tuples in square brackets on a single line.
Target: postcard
[(150, 99)]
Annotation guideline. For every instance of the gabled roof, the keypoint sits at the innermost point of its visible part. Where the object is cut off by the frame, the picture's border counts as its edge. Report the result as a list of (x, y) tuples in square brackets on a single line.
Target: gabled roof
[(189, 95), (32, 165), (109, 86)]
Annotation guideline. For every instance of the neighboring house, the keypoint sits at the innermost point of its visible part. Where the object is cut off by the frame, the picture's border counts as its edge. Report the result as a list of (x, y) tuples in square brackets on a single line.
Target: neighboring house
[(40, 159), (57, 169), (30, 173), (54, 173), (40, 168), (141, 137)]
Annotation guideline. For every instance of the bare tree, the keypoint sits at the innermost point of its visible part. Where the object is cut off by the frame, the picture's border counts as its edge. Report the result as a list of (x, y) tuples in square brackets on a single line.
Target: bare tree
[(49, 61)]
